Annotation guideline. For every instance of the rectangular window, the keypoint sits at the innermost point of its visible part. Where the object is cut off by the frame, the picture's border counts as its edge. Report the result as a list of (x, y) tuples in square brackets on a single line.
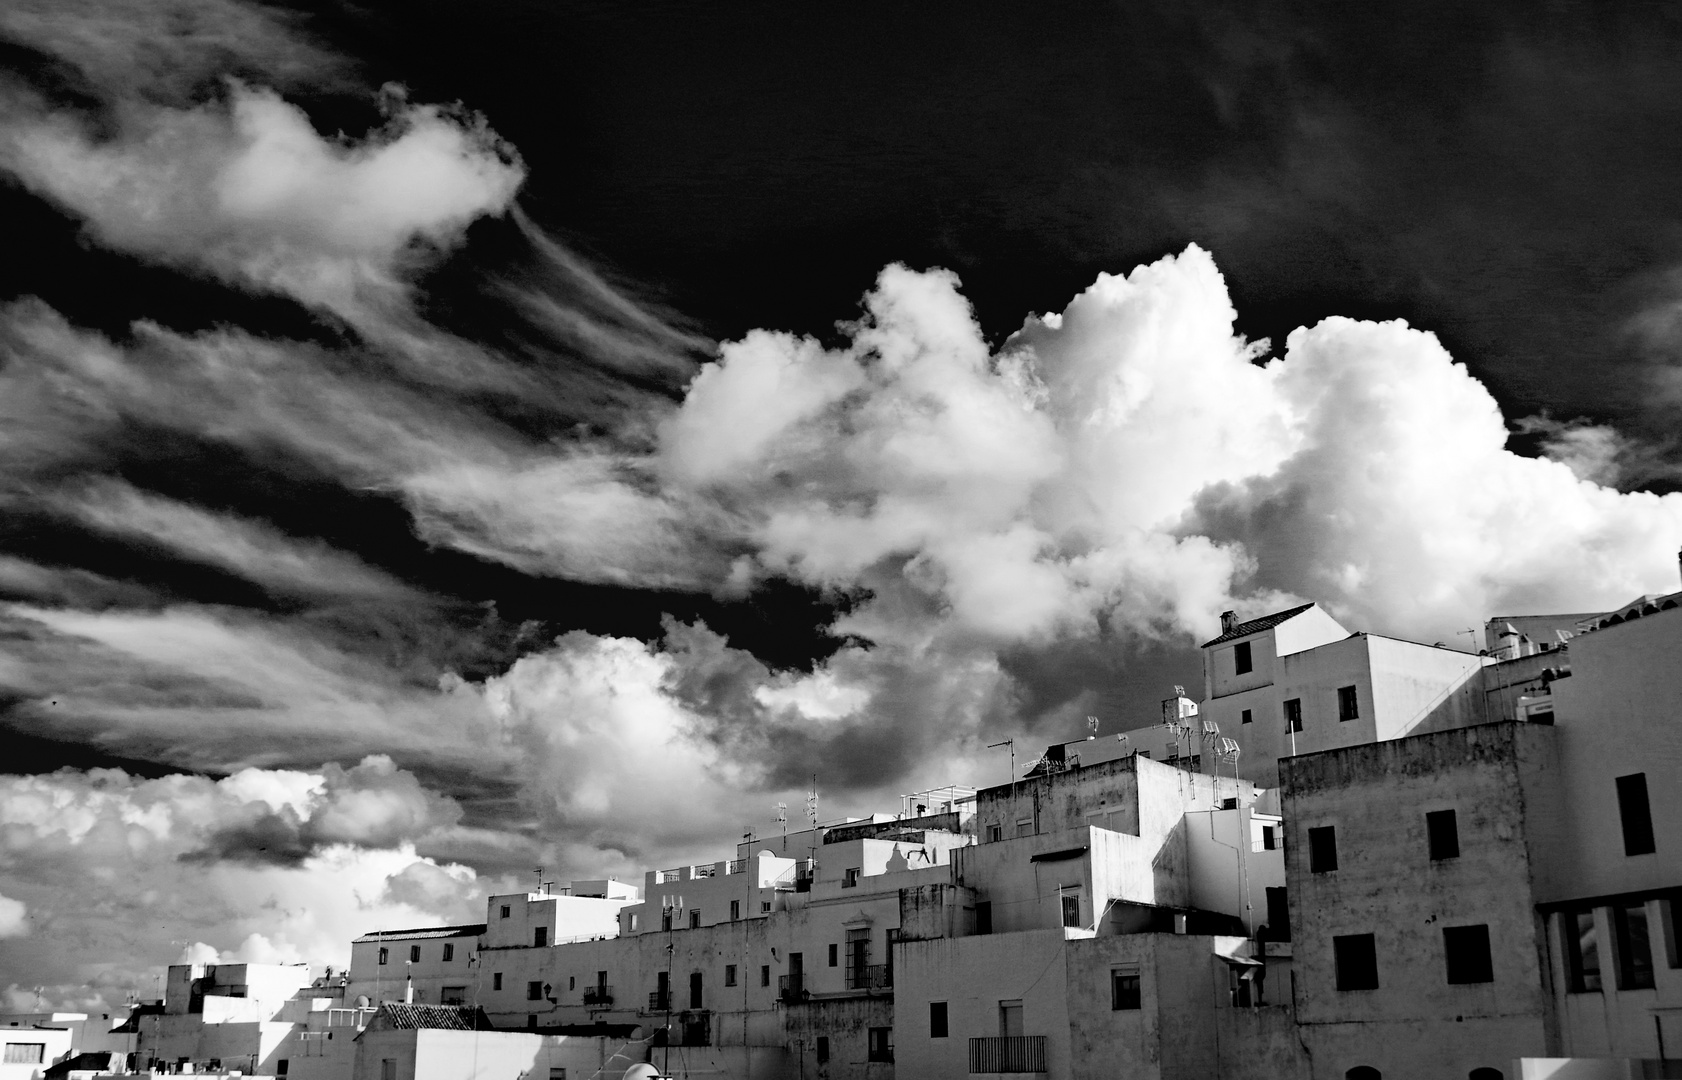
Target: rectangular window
[(765, 907), (695, 990), (850, 878), (1025, 827), (453, 995), (1270, 839), (984, 916), (834, 955), (1348, 707), (1322, 849), (735, 910), (414, 954), (1582, 950), (695, 918), (540, 937), (1278, 914), (1293, 714), (1245, 716), (995, 833), (823, 1049), (572, 982), (1356, 957), (1241, 658), (1124, 988), (665, 918), (1071, 909), (534, 991), (557, 1073), (937, 1019), (729, 974), (1633, 947), (1466, 951), (388, 1068), (1442, 835), (26, 1053), (1670, 921), (282, 1066), (531, 1021), (385, 954), (505, 910), (496, 980), (636, 918), (1637, 815), (881, 1046), (449, 952), (764, 974)]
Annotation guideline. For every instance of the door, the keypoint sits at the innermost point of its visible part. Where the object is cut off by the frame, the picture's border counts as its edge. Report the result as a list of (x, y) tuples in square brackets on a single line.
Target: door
[(1010, 1018)]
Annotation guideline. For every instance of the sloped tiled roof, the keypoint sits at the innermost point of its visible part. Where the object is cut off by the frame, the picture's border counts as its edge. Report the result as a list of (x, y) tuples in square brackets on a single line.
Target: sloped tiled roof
[(431, 1017), (466, 930), (1256, 626)]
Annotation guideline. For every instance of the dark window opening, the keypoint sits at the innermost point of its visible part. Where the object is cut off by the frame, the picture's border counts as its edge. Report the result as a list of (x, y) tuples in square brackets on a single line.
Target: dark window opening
[(496, 980), (1632, 946), (1270, 840), (384, 955), (1466, 950), (414, 954), (984, 916), (1581, 946), (1442, 835), (1348, 705), (764, 974), (695, 990), (937, 1019), (1278, 914), (505, 910), (834, 955), (1322, 849), (823, 1049), (449, 952), (1124, 989), (534, 991), (1356, 958), (1241, 658), (281, 1066), (694, 918), (1071, 910), (1245, 716), (1637, 815), (1293, 714), (729, 974), (881, 1046), (540, 936)]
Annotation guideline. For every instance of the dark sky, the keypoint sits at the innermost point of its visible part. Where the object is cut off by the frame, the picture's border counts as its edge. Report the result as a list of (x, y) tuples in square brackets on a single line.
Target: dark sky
[(302, 518)]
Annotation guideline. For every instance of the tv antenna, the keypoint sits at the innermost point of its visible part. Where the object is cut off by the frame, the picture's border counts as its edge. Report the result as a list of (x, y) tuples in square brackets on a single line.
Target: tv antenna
[(1011, 743), (1092, 724)]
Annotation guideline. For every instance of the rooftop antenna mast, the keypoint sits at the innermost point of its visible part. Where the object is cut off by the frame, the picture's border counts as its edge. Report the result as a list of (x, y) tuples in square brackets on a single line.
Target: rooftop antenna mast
[(1470, 633), (782, 819), (537, 871), (1011, 743)]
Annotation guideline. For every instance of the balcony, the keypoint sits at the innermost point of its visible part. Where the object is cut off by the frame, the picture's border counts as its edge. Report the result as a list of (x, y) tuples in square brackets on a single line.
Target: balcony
[(659, 1001), (736, 866), (791, 989), (704, 871), (1007, 1054), (667, 876), (598, 995), (870, 977)]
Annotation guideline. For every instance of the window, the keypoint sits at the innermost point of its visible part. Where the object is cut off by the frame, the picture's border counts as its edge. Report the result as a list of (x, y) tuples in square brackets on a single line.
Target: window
[(449, 952), (695, 990), (635, 919), (1485, 1073), (1270, 839), (1124, 988), (453, 995), (834, 955), (1356, 958), (764, 974), (1071, 909), (1348, 707), (1322, 850), (850, 878), (937, 1019), (1582, 950), (1241, 658), (995, 833), (1670, 921), (729, 974), (1466, 950), (694, 918), (385, 954), (1245, 716), (1293, 714), (1637, 815), (496, 980), (1278, 914), (534, 991), (572, 982), (1442, 835), (984, 916), (665, 918), (1632, 947), (823, 1049), (735, 910), (414, 954), (388, 1067), (765, 907), (539, 936), (26, 1053), (1025, 827), (557, 1073), (531, 1021), (505, 911), (881, 1047), (282, 1066)]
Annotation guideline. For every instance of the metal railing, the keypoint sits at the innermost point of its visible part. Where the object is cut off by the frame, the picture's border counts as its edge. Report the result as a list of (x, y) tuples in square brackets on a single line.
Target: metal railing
[(705, 871), (870, 977), (598, 995), (791, 988), (1007, 1054), (665, 876), (736, 866)]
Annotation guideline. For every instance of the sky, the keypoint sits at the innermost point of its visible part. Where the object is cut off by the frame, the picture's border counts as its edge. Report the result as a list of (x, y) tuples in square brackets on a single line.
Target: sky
[(436, 445)]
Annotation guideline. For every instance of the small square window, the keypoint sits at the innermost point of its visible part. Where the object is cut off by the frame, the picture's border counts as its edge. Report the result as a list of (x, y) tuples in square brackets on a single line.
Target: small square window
[(1348, 705), (1245, 716), (850, 878), (505, 911), (1356, 959), (1241, 658), (1442, 834), (534, 991), (1124, 988), (765, 907), (995, 833), (1466, 949), (1322, 849), (729, 974), (937, 1019)]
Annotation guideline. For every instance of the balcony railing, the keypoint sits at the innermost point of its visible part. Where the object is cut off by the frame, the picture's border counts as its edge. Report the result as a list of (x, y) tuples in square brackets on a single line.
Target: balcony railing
[(704, 871), (598, 995), (659, 1001), (1007, 1054), (791, 989), (736, 866), (870, 977), (665, 876)]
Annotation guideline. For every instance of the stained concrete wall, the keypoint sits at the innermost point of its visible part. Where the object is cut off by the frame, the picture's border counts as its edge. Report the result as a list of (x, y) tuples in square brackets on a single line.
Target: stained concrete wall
[(1416, 1024), (431, 974)]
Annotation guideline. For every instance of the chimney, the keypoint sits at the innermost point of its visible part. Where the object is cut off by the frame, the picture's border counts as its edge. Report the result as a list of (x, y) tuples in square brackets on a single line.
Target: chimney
[(1229, 619)]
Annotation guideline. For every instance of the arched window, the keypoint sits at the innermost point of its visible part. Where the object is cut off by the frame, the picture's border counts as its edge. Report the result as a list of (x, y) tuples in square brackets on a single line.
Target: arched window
[(1485, 1073), (1363, 1072)]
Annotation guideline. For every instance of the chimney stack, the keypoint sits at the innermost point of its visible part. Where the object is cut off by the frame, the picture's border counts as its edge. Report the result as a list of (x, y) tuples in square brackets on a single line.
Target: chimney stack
[(1229, 619)]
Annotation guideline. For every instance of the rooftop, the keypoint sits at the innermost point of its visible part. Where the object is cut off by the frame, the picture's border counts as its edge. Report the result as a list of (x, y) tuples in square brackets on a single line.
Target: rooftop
[(1256, 626), (432, 1017)]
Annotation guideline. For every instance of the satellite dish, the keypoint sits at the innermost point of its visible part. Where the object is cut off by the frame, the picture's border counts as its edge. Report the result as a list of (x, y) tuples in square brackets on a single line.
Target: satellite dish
[(644, 1071)]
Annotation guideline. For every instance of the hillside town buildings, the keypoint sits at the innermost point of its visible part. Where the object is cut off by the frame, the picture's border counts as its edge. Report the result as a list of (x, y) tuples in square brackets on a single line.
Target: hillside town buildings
[(1355, 857)]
